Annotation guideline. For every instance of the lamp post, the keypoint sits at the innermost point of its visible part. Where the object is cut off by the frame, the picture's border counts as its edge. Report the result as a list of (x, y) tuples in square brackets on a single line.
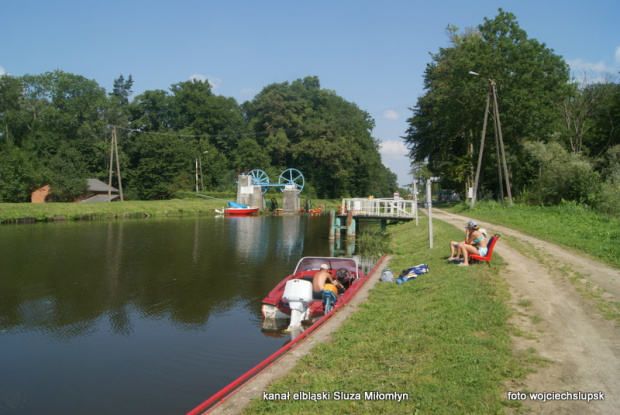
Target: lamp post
[(202, 180), (499, 143)]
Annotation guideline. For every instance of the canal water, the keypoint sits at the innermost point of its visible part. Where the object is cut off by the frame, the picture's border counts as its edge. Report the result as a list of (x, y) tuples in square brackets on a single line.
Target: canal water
[(139, 316)]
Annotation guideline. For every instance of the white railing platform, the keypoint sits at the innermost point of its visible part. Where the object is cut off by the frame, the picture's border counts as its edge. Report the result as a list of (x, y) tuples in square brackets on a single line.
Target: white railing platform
[(379, 208)]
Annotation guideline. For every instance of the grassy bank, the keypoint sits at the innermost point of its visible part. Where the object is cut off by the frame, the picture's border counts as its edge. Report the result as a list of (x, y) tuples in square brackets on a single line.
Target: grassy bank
[(188, 206), (573, 226), (443, 339), (11, 212)]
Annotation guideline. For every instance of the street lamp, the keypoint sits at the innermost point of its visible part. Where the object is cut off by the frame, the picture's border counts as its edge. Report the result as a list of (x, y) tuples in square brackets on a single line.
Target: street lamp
[(202, 179), (499, 143), (199, 166)]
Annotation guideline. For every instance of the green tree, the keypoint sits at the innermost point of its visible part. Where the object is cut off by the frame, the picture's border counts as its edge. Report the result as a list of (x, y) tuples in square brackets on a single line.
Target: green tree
[(319, 133), (250, 155), (17, 176), (62, 107), (562, 175), (67, 173), (122, 90), (10, 96), (193, 120), (151, 111), (447, 121), (603, 126), (196, 110), (160, 164)]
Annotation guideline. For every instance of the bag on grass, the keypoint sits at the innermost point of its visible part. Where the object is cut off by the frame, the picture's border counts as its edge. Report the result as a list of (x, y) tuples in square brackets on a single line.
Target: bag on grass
[(387, 276)]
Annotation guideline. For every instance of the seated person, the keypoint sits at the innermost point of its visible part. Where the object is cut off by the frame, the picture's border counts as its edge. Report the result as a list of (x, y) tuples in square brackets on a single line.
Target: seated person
[(454, 250), (478, 245), (319, 281)]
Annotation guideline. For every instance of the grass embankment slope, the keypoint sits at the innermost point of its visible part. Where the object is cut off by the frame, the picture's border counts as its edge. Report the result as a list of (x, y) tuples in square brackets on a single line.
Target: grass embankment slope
[(443, 339), (190, 205), (15, 212)]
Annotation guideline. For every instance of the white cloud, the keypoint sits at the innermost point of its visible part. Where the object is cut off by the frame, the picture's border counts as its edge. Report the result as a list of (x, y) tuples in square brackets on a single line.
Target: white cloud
[(390, 114), (197, 77), (2, 71), (592, 72), (579, 65), (393, 148), (214, 82)]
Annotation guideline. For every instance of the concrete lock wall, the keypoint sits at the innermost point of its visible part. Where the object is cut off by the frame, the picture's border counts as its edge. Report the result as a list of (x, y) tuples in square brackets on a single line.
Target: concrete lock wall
[(290, 201), (249, 194)]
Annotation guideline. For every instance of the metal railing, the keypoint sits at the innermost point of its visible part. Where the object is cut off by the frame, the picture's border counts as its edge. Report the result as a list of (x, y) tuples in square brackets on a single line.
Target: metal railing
[(387, 208)]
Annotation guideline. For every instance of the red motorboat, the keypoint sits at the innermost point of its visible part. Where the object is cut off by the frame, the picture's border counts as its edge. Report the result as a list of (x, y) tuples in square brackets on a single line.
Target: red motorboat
[(292, 297), (238, 209), (274, 305)]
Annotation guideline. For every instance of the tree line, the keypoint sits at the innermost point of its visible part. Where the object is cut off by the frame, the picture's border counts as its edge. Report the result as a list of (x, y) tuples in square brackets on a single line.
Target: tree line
[(561, 134), (56, 128)]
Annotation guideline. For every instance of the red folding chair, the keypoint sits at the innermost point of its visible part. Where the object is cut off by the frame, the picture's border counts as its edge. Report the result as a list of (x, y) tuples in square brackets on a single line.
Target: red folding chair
[(489, 255)]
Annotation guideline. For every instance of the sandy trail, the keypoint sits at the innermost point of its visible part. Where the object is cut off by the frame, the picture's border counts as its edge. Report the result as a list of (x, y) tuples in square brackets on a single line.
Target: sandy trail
[(559, 322)]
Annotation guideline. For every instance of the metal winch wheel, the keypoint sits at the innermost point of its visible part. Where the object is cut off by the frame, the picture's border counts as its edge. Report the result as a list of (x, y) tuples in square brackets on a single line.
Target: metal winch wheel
[(292, 177), (260, 178)]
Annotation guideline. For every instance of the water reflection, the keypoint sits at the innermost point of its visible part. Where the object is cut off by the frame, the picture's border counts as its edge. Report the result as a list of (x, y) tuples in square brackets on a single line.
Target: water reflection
[(169, 310)]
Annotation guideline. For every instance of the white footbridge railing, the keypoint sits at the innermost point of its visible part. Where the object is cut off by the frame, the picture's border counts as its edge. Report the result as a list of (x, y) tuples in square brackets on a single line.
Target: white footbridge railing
[(384, 208)]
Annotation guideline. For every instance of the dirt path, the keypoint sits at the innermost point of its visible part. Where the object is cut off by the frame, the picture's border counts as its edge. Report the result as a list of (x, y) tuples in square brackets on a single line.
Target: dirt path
[(560, 320)]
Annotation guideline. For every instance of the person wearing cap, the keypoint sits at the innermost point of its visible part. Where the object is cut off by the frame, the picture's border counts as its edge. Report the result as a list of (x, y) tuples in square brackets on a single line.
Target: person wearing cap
[(454, 246), (319, 280), (475, 243)]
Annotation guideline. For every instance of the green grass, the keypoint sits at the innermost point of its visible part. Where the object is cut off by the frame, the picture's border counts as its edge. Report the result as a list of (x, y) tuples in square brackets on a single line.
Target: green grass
[(190, 205), (571, 225), (133, 209), (443, 339)]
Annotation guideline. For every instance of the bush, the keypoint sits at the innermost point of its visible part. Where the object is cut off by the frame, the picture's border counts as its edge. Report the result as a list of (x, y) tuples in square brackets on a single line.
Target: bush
[(562, 176)]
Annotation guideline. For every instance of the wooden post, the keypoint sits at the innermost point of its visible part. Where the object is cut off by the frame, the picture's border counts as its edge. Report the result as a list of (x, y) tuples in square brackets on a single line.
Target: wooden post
[(332, 226), (501, 146), (118, 166), (113, 151), (111, 164), (350, 225)]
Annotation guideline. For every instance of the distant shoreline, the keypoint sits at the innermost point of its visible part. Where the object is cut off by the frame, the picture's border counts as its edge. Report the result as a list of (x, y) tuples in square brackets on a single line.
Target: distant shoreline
[(25, 213)]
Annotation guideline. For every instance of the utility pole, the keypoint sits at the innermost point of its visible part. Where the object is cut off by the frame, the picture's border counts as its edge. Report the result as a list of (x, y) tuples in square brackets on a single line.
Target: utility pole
[(499, 142), (196, 175), (484, 133), (114, 151)]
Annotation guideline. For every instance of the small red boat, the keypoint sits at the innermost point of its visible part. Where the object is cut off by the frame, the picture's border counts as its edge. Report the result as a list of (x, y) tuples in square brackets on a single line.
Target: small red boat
[(292, 297), (238, 209)]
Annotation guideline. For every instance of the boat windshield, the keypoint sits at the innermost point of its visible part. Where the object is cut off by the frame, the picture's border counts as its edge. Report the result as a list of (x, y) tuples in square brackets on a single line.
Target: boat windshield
[(314, 264)]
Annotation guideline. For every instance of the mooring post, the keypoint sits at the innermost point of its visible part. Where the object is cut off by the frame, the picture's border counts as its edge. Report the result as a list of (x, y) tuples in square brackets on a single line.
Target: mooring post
[(350, 226), (332, 226)]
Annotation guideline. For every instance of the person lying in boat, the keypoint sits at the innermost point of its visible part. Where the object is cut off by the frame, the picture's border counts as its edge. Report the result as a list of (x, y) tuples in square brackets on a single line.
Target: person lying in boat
[(320, 279)]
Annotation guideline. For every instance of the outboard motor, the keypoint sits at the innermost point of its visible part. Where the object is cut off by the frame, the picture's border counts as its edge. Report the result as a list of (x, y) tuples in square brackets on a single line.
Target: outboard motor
[(298, 294)]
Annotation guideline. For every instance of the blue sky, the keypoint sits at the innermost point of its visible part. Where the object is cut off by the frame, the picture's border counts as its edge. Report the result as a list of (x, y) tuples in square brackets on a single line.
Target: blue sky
[(372, 52)]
